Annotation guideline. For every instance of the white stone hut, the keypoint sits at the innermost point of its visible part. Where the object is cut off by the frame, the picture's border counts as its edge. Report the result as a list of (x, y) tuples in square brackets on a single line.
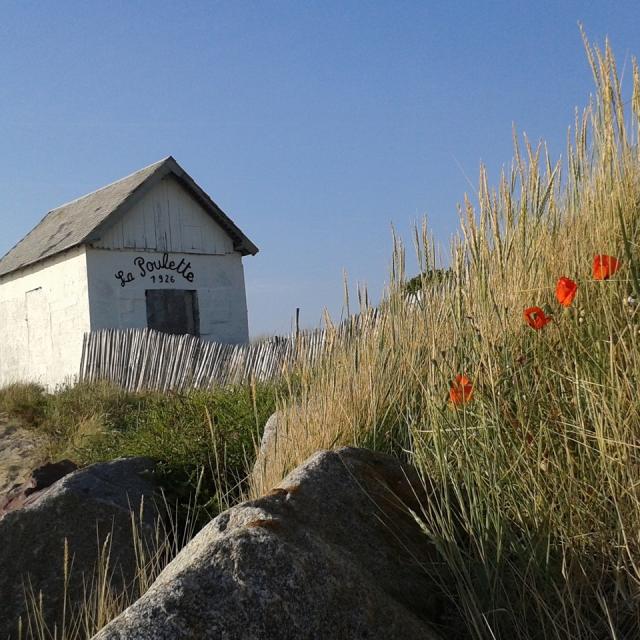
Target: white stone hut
[(150, 250)]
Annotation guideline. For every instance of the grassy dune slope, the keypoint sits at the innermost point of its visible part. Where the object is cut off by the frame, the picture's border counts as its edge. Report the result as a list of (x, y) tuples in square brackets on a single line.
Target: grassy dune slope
[(538, 518)]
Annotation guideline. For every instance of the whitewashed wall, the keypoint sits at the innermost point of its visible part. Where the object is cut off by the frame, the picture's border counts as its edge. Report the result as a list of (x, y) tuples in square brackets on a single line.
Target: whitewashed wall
[(44, 313), (219, 281)]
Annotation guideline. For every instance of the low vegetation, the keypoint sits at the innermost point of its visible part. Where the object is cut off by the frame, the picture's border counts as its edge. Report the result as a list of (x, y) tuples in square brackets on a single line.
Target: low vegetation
[(26, 402), (203, 440)]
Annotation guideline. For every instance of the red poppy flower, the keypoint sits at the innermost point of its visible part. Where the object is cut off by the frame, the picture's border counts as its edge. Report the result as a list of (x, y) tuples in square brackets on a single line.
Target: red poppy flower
[(566, 290), (461, 390), (535, 318), (604, 267)]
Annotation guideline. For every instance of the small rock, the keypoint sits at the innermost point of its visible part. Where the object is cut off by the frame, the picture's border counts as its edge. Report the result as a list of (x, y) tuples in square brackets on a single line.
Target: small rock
[(270, 433), (273, 436), (26, 493)]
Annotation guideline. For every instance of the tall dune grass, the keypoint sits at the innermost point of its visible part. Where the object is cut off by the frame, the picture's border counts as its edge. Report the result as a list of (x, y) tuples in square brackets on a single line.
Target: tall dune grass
[(537, 516)]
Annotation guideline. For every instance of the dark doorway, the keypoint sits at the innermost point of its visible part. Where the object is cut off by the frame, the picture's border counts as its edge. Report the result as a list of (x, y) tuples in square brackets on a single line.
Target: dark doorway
[(173, 311)]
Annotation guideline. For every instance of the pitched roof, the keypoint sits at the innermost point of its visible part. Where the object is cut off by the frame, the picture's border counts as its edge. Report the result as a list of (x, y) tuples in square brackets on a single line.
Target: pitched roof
[(81, 221)]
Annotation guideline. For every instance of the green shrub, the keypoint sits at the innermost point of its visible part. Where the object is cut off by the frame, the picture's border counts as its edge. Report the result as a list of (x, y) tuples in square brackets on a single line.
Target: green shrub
[(204, 440), (24, 401)]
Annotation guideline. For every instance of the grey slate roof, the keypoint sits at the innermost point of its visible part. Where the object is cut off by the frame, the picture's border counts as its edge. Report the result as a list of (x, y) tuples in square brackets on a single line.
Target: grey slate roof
[(82, 220)]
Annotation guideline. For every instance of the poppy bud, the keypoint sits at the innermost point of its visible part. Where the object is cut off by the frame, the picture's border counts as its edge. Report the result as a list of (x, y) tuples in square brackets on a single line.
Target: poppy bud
[(566, 290), (535, 318), (461, 390), (604, 267)]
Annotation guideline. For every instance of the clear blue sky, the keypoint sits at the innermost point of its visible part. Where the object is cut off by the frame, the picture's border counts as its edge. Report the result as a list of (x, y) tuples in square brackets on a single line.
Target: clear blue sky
[(314, 125)]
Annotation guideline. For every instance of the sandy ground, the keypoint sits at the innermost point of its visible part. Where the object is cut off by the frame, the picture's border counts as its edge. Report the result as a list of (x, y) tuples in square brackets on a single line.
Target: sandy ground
[(20, 452)]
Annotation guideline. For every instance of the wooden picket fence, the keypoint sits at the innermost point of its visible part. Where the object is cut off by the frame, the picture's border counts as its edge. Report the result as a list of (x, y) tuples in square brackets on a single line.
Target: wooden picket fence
[(138, 359)]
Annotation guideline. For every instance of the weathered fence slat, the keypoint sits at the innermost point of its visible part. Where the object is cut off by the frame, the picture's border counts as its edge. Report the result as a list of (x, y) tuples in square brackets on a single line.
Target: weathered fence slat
[(139, 359)]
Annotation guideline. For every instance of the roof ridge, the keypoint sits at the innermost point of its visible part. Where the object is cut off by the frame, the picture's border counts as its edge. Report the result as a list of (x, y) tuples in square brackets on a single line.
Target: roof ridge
[(82, 197), (77, 221), (106, 186)]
